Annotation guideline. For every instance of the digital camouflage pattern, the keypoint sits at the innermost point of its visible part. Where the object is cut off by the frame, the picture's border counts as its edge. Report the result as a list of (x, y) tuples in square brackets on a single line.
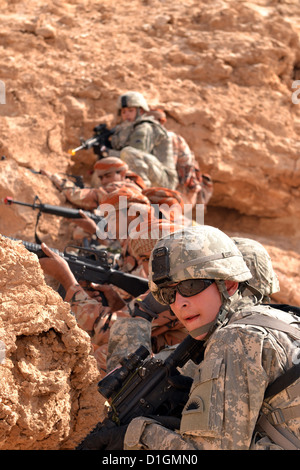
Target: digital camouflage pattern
[(258, 260), (201, 252), (229, 385), (195, 187), (128, 334), (119, 328), (147, 149), (240, 360), (132, 99)]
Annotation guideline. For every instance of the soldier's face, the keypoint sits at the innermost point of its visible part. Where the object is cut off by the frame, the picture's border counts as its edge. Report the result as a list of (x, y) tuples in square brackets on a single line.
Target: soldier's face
[(144, 261), (198, 310), (128, 114), (109, 177)]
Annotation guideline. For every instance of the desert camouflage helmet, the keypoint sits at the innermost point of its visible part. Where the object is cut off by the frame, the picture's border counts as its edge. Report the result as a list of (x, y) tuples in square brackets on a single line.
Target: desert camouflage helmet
[(259, 262), (198, 252), (132, 99)]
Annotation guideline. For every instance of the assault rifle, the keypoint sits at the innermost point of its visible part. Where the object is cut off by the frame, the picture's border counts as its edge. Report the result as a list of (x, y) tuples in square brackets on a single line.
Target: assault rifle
[(78, 179), (95, 267), (142, 386), (67, 212), (99, 141)]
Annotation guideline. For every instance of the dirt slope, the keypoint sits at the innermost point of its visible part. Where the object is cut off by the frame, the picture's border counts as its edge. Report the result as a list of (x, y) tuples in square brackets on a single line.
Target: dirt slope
[(224, 72)]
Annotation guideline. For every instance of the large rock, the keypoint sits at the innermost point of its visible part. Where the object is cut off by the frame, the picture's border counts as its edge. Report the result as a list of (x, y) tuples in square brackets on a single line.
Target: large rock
[(224, 72), (48, 377)]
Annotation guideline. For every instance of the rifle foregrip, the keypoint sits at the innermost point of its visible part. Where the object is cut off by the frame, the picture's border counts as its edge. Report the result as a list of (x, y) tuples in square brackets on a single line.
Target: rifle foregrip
[(134, 285), (35, 248)]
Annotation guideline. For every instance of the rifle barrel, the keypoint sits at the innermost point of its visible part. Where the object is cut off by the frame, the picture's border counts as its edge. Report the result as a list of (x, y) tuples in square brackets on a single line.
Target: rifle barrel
[(86, 144), (67, 212)]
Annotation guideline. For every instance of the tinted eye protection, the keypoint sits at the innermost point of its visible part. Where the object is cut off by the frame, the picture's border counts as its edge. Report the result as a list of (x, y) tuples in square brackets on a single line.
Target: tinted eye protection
[(186, 288)]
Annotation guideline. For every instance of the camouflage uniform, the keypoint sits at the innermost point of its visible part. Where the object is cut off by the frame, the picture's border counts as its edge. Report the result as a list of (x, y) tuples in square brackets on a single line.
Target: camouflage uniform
[(188, 183), (258, 260), (248, 346), (83, 198), (194, 186), (144, 145), (115, 334), (162, 329), (90, 198), (128, 333), (147, 151), (98, 320)]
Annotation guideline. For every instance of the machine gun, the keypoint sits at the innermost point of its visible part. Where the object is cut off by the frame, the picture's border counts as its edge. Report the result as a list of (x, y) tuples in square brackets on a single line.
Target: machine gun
[(95, 267), (98, 142), (142, 387)]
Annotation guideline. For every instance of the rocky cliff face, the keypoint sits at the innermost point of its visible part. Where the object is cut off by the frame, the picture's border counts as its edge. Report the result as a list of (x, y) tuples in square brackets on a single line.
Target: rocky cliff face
[(48, 386), (224, 72)]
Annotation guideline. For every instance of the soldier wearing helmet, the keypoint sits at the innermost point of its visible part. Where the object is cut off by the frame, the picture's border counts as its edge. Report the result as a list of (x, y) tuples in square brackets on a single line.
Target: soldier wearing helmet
[(133, 103), (143, 143), (201, 274), (264, 278)]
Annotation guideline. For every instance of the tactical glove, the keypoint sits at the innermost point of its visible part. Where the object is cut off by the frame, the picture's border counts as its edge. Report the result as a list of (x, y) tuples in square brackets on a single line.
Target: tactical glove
[(104, 438)]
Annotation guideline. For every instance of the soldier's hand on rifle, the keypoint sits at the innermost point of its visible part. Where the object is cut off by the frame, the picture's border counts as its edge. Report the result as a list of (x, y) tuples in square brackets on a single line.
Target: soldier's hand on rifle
[(114, 300), (104, 439), (54, 265), (86, 223)]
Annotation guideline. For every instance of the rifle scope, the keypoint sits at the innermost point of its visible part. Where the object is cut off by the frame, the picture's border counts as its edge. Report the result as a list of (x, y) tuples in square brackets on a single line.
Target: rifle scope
[(112, 382)]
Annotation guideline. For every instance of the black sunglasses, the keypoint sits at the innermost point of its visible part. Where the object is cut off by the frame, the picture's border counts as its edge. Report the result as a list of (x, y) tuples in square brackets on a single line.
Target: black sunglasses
[(186, 288)]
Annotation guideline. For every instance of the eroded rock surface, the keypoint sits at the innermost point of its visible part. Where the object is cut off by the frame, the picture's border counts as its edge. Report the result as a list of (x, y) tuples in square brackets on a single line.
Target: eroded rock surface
[(48, 378)]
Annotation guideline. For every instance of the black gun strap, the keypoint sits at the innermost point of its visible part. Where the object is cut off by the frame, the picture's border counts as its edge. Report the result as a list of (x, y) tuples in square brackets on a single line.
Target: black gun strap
[(283, 381), (287, 308), (36, 237)]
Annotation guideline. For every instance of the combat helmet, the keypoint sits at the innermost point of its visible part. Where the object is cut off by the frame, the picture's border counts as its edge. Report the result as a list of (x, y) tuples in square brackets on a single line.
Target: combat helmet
[(259, 262), (132, 99), (198, 252)]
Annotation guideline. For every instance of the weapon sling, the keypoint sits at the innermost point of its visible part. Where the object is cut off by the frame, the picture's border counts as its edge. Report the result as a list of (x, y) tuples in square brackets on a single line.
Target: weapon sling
[(270, 424)]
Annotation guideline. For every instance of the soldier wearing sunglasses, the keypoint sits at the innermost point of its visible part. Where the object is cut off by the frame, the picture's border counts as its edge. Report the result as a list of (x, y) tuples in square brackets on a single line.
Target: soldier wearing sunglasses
[(201, 274)]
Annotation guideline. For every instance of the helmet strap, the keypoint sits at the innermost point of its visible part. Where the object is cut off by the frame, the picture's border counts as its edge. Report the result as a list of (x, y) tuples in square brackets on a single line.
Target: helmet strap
[(246, 286), (138, 112), (221, 317)]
